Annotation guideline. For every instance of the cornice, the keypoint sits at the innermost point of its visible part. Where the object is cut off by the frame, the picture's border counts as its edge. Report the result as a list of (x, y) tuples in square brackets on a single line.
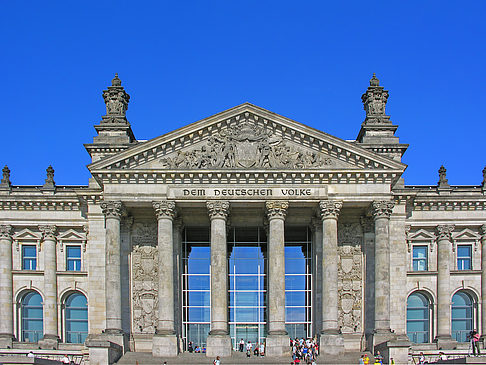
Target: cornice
[(29, 204)]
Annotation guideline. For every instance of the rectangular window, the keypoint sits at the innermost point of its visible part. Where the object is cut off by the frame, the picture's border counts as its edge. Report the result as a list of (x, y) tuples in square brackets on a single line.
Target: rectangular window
[(419, 258), (29, 257), (73, 258), (464, 257)]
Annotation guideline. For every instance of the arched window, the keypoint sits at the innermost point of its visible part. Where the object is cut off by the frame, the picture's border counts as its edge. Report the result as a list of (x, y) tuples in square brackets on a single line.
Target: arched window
[(32, 317), (462, 316), (76, 314), (418, 324)]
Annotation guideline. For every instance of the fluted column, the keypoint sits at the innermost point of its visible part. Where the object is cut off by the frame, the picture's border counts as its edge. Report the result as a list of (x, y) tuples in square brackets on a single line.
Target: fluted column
[(331, 340), (113, 211), (50, 283), (382, 211), (482, 231), (164, 341), (6, 288), (444, 249), (277, 334), (219, 341)]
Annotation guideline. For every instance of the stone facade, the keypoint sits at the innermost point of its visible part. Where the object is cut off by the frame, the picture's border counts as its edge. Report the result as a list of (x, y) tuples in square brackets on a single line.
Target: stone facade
[(243, 167)]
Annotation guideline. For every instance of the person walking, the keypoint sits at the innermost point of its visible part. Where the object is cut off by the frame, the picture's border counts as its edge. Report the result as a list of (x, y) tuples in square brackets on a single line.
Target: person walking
[(475, 342), (242, 345), (217, 361), (249, 346)]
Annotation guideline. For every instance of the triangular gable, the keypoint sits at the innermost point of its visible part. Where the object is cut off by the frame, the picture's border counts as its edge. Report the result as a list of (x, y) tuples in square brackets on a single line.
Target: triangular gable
[(26, 235), (244, 138), (72, 236), (466, 234), (421, 235)]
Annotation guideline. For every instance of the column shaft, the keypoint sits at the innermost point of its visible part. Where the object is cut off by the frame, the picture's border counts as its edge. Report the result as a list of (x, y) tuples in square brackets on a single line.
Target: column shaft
[(276, 276), (50, 282), (113, 211), (6, 285), (443, 281)]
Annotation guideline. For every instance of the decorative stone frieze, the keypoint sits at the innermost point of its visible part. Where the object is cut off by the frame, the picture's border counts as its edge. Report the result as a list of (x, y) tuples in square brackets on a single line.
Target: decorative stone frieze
[(330, 209), (444, 232), (6, 231), (276, 209), (49, 232), (40, 205), (112, 209), (165, 209), (382, 209), (218, 209)]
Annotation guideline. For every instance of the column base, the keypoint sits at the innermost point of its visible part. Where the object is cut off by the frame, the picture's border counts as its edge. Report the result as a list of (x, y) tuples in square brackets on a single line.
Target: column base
[(331, 343), (218, 345), (277, 345), (445, 343), (102, 351), (49, 342), (165, 345), (6, 340)]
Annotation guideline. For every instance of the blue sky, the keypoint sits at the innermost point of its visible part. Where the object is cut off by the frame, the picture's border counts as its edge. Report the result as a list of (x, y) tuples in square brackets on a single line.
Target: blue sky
[(182, 61)]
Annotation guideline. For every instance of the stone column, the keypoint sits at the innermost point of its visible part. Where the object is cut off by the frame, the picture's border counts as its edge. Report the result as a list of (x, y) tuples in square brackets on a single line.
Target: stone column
[(219, 341), (444, 249), (165, 340), (6, 288), (51, 337), (277, 338), (332, 342), (482, 231), (382, 211), (113, 211)]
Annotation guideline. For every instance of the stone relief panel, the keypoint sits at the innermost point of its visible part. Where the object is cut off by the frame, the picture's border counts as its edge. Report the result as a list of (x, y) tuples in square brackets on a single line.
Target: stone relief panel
[(145, 261), (350, 277), (248, 145)]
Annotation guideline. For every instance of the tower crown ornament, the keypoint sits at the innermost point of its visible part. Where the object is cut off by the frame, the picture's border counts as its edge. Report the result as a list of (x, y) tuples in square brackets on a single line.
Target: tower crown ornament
[(49, 183), (443, 182), (374, 102), (5, 178), (116, 100)]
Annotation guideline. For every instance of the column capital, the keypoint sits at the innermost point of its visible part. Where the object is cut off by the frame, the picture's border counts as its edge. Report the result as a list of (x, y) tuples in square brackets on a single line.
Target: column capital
[(482, 231), (165, 209), (330, 209), (382, 209), (276, 209), (218, 209), (112, 209), (6, 231), (444, 232), (48, 232)]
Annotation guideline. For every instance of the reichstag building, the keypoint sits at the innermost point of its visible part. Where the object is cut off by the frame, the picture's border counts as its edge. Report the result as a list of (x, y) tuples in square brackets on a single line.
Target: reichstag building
[(245, 224)]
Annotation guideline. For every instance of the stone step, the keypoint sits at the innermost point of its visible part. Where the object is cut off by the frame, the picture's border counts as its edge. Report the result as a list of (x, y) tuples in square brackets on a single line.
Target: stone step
[(238, 358)]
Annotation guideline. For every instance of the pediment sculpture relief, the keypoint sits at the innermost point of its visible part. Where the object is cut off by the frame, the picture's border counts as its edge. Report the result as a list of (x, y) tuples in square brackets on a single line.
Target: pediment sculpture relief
[(246, 145)]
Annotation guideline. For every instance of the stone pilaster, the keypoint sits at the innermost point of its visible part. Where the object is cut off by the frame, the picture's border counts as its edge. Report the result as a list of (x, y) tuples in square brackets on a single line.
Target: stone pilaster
[(277, 338), (113, 211), (382, 211), (165, 339), (51, 337), (368, 225), (219, 341), (444, 249), (332, 342), (482, 231), (6, 288)]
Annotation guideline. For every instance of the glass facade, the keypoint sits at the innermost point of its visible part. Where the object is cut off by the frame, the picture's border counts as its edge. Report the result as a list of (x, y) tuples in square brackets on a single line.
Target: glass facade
[(76, 312), (32, 317), (29, 257), (73, 258), (298, 282), (418, 318), (464, 257), (462, 316)]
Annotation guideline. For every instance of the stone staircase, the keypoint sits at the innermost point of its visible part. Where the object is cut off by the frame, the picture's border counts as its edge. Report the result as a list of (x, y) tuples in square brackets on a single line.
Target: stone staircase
[(238, 358)]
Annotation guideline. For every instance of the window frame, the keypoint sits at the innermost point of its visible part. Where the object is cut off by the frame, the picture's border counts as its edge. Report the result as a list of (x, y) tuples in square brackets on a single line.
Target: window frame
[(23, 257), (66, 319), (428, 310), (76, 259), (426, 259), (464, 258), (21, 317)]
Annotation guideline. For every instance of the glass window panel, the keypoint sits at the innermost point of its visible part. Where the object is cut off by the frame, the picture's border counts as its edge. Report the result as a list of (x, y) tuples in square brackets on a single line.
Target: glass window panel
[(420, 251), (198, 266), (246, 298), (294, 252), (32, 317), (198, 282), (246, 282), (295, 314), (199, 252), (197, 234), (74, 251), (199, 298), (295, 282), (245, 252), (293, 234), (464, 251), (294, 266), (248, 266), (246, 314), (33, 312), (245, 234), (199, 314), (29, 250), (295, 298)]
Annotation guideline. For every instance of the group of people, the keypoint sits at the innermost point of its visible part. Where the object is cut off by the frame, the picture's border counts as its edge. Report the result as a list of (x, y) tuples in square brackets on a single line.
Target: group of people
[(197, 349), (257, 350), (304, 350)]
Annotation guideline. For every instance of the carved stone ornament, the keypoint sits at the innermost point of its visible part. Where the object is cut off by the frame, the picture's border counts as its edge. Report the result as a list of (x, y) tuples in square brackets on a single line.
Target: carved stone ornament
[(144, 233), (276, 209), (165, 209), (330, 209), (247, 145), (116, 99), (6, 231), (444, 232), (218, 209), (382, 209), (350, 287), (145, 300), (483, 184), (5, 176), (482, 231), (112, 209), (374, 100), (443, 182), (49, 232), (350, 234)]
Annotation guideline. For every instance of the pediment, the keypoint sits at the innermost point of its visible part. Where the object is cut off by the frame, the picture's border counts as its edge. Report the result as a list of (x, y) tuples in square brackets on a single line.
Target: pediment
[(27, 234), (466, 234), (245, 138), (71, 235), (421, 235)]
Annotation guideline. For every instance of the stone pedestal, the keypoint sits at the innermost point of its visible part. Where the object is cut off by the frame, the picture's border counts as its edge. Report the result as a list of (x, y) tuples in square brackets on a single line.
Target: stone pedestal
[(396, 350), (277, 345), (331, 344), (49, 342), (6, 340), (165, 345), (102, 351), (218, 345)]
